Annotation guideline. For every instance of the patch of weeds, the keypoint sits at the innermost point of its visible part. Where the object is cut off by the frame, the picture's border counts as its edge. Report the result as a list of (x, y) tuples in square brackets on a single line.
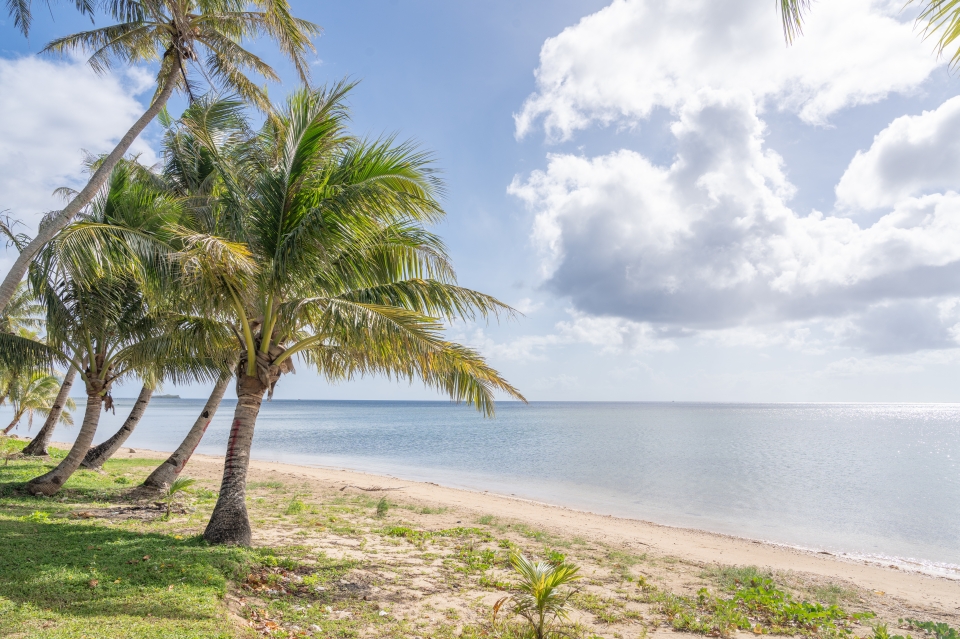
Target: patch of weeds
[(383, 507), (296, 506), (833, 594), (604, 609), (426, 510), (555, 557), (732, 577), (265, 484), (38, 517), (622, 562), (933, 629), (123, 481), (472, 560), (758, 606), (487, 520)]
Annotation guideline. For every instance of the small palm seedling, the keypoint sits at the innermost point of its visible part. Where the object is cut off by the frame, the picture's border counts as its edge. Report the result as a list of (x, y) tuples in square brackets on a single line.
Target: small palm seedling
[(382, 507), (542, 598), (179, 485)]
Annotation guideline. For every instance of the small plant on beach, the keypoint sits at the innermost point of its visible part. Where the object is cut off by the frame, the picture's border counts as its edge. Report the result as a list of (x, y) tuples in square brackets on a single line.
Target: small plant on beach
[(178, 486), (383, 506), (542, 597)]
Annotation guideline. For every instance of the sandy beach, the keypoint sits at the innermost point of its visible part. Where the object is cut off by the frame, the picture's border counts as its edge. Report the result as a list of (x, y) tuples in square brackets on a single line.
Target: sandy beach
[(680, 554)]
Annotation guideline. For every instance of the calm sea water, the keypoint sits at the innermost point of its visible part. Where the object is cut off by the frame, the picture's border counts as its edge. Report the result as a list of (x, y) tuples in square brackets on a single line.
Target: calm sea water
[(865, 479)]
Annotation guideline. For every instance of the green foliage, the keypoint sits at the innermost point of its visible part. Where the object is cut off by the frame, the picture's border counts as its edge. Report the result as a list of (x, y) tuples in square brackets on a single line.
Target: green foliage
[(733, 577), (69, 578), (383, 506), (38, 516), (296, 506), (542, 597), (937, 630), (756, 605)]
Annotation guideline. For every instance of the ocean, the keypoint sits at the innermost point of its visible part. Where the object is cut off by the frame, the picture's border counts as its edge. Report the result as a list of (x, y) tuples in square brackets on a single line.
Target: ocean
[(875, 481)]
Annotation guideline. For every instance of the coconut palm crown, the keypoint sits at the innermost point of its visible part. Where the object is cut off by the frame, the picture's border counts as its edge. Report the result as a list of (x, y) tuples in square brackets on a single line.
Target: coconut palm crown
[(316, 250)]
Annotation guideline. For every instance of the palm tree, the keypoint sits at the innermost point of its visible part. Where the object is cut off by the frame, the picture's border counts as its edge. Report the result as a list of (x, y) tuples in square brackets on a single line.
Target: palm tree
[(186, 38), (38, 446), (36, 393), (100, 453), (166, 473), (317, 250), (20, 317), (541, 600), (940, 18), (100, 317)]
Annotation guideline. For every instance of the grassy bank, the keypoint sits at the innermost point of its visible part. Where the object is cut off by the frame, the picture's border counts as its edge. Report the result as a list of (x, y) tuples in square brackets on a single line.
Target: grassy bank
[(341, 562)]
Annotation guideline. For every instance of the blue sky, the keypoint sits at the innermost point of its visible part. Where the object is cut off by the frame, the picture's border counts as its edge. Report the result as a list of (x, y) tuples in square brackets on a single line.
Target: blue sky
[(673, 197)]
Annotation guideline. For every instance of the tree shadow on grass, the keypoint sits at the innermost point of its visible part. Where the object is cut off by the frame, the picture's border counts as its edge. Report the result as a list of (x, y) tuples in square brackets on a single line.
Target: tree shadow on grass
[(84, 569)]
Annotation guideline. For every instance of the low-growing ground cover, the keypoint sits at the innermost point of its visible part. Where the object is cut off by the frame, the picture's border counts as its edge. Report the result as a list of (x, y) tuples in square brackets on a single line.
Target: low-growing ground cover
[(341, 561)]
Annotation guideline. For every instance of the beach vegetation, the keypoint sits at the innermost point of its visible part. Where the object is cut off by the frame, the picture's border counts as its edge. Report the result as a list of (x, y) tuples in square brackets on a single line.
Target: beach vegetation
[(932, 629), (296, 506), (35, 392), (542, 594), (756, 605), (176, 489), (733, 577), (383, 507)]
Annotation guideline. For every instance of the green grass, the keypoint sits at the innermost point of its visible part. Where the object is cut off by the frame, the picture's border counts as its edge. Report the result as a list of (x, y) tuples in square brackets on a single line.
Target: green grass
[(69, 578)]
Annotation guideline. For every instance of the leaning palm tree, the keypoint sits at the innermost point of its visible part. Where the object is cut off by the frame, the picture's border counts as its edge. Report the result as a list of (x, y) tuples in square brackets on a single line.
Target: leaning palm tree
[(188, 39), (103, 317), (36, 393), (38, 445), (113, 334), (319, 252), (103, 451)]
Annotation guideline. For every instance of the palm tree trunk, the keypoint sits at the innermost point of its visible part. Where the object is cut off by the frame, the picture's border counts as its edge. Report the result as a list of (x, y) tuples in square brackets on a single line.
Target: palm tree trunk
[(166, 472), (98, 454), (38, 447), (229, 523), (49, 483), (16, 420), (47, 231)]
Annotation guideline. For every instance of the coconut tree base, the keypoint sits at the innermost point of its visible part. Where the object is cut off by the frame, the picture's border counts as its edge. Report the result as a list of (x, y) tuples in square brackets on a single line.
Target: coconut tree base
[(229, 523), (50, 483)]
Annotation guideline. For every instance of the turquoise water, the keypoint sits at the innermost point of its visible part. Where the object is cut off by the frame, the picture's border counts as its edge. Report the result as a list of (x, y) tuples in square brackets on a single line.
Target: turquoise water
[(866, 479)]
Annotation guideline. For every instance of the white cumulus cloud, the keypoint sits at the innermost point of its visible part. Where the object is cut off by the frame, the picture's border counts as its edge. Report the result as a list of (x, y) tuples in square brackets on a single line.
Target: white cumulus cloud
[(50, 113), (711, 243), (913, 155), (615, 66)]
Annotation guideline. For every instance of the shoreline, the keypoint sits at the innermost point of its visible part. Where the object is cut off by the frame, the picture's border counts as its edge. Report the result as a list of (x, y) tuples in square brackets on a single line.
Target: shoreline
[(907, 583)]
